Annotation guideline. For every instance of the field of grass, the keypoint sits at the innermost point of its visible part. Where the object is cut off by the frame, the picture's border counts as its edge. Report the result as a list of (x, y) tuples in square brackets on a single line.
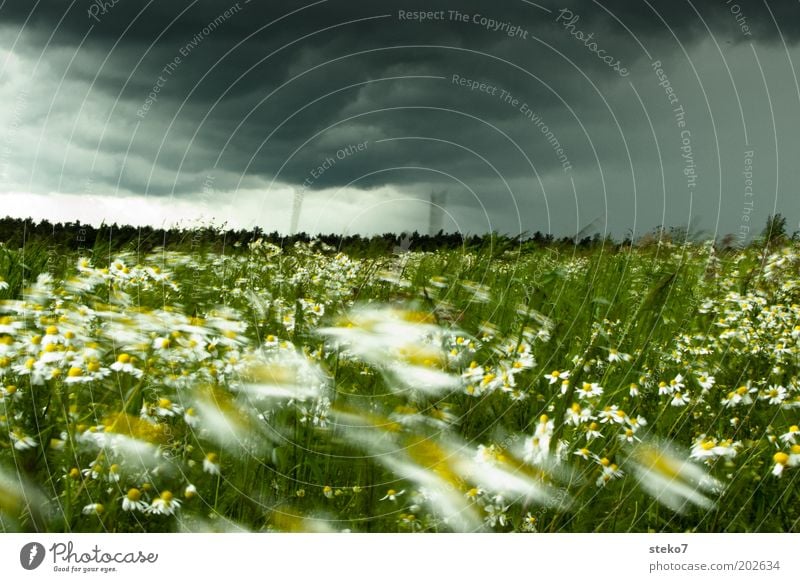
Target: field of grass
[(301, 389)]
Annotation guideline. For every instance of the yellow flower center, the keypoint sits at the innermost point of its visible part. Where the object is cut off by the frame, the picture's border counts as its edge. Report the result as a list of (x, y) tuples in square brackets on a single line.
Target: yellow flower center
[(781, 458)]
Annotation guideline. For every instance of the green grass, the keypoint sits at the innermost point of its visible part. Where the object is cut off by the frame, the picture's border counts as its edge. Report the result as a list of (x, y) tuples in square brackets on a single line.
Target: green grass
[(206, 335)]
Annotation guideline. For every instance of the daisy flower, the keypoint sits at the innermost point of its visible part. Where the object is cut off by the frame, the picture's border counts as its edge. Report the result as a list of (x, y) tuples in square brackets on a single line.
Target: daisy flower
[(496, 512), (93, 509), (555, 376), (211, 464), (22, 442), (133, 501), (615, 355), (392, 495), (790, 436), (706, 449), (592, 432), (775, 394), (608, 472), (590, 390), (165, 504), (679, 399), (706, 382)]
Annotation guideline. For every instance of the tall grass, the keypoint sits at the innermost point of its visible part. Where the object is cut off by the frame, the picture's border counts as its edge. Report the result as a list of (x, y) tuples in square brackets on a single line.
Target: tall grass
[(303, 389)]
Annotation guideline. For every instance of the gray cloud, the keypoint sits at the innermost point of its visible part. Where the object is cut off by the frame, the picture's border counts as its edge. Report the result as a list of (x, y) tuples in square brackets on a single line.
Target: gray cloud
[(247, 104)]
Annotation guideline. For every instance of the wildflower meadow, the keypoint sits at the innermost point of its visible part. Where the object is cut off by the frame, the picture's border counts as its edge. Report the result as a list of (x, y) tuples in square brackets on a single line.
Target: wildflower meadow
[(498, 387)]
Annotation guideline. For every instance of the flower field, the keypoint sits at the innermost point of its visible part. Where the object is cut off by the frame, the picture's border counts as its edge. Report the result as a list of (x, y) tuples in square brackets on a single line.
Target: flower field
[(503, 388)]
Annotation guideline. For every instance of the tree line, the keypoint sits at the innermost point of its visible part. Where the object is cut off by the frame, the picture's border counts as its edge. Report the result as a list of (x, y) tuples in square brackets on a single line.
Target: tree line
[(74, 236)]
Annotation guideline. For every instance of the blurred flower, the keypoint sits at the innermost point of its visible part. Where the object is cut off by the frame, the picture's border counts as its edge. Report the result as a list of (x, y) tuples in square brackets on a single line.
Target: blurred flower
[(670, 479)]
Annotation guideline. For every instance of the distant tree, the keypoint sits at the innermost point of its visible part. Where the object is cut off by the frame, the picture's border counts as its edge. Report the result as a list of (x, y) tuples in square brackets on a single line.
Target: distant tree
[(775, 230)]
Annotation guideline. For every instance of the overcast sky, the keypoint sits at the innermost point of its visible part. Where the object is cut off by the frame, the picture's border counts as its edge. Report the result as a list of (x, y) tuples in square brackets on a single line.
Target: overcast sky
[(616, 115)]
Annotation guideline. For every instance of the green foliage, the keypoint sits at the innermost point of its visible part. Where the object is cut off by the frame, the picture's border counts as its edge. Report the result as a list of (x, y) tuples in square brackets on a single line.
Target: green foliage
[(205, 332)]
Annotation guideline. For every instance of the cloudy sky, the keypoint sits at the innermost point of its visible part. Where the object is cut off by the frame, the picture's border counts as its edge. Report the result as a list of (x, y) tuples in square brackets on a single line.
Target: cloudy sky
[(613, 116)]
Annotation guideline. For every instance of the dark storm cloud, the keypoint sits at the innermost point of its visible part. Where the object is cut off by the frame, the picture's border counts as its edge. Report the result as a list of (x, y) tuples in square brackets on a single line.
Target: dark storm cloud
[(247, 102)]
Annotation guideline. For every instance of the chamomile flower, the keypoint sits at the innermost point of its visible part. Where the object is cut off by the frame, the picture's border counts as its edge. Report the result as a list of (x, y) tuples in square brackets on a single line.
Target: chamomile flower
[(608, 472), (790, 436), (124, 364), (672, 480), (537, 447), (709, 448), (496, 512), (529, 523), (679, 399), (211, 464), (775, 394), (164, 504), (615, 355), (93, 509), (705, 381), (392, 495), (190, 417), (22, 441), (556, 376), (629, 436), (589, 390), (577, 414), (592, 431), (76, 375), (133, 501), (166, 408)]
